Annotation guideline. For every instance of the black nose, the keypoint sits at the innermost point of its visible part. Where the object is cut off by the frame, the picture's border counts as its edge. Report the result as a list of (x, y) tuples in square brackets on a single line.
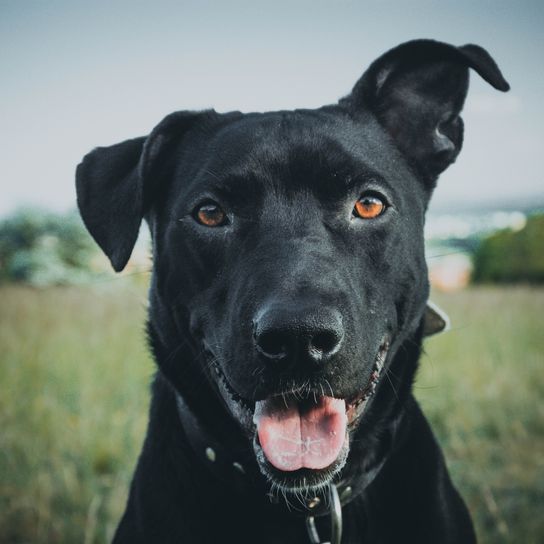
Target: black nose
[(289, 336)]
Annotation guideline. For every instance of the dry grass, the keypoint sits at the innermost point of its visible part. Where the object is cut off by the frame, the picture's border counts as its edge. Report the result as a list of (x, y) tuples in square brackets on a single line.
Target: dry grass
[(481, 385), (74, 375)]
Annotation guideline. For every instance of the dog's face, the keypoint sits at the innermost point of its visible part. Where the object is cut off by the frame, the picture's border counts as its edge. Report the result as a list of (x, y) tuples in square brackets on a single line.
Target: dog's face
[(288, 246), (305, 250)]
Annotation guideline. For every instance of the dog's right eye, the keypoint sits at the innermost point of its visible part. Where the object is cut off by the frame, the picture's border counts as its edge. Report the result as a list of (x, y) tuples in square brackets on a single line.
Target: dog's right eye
[(210, 214)]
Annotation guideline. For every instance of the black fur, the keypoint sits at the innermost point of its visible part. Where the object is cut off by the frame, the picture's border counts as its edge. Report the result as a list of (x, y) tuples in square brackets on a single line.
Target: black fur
[(290, 262)]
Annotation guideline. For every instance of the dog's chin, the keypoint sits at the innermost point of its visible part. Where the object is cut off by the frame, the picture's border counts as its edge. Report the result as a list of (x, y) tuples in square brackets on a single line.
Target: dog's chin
[(302, 481)]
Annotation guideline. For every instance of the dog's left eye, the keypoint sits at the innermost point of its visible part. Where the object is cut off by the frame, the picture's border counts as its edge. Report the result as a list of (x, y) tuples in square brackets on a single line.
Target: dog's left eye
[(210, 214), (369, 206)]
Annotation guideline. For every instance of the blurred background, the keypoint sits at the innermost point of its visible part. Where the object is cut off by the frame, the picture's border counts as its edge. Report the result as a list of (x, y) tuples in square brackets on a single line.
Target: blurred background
[(74, 367)]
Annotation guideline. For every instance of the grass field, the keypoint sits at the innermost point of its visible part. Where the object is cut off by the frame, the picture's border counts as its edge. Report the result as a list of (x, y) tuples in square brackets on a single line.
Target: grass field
[(74, 375)]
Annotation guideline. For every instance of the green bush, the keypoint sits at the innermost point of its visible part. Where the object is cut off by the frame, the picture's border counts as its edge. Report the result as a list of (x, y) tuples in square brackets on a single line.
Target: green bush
[(43, 248), (512, 257)]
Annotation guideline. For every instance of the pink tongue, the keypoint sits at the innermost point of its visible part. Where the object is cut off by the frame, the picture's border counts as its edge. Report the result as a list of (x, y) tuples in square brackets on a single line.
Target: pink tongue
[(296, 434)]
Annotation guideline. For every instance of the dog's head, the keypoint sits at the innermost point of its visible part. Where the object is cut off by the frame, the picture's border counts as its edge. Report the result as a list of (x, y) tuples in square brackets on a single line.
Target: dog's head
[(288, 248)]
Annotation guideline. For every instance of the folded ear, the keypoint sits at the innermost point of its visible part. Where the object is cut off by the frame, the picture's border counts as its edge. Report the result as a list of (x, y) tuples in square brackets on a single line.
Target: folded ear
[(115, 185), (417, 91)]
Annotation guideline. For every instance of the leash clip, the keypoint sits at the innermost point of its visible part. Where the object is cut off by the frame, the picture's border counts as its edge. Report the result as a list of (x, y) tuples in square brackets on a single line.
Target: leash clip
[(336, 520)]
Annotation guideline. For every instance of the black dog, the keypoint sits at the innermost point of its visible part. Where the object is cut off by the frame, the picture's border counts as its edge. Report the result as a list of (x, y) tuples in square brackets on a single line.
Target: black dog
[(287, 310)]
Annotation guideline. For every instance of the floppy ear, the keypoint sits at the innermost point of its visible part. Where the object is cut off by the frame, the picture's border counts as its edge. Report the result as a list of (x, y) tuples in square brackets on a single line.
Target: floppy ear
[(115, 185), (417, 91)]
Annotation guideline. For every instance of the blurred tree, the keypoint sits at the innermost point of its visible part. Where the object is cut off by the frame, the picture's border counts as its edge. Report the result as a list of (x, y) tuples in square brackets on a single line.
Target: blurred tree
[(512, 257), (44, 248)]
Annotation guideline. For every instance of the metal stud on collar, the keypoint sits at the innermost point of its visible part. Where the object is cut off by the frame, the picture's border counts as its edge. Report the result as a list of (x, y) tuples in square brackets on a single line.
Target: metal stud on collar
[(210, 454), (336, 520)]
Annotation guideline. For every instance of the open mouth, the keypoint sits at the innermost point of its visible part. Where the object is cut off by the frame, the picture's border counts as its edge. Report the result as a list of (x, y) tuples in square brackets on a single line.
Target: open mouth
[(301, 438)]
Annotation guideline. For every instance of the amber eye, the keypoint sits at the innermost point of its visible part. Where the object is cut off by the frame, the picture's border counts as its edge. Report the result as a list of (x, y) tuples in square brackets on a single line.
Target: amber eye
[(368, 207), (210, 214)]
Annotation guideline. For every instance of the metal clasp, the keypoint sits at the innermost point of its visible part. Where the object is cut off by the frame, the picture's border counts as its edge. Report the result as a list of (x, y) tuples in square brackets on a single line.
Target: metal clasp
[(336, 520)]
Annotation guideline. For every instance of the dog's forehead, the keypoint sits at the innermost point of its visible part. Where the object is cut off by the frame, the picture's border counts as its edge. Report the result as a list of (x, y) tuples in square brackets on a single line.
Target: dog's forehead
[(300, 147)]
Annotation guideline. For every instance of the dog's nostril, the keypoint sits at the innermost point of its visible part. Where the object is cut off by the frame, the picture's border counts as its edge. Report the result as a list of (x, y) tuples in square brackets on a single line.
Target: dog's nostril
[(325, 342), (273, 344)]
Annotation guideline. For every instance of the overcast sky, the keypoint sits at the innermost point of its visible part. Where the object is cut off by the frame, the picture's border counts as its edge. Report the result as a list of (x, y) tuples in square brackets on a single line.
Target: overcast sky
[(77, 74)]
